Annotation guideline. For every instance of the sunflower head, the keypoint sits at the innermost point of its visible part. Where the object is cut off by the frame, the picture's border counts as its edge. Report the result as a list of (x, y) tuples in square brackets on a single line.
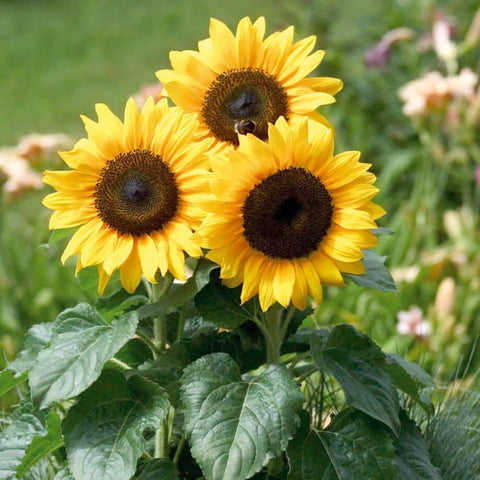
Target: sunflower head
[(132, 190), (293, 217), (239, 83)]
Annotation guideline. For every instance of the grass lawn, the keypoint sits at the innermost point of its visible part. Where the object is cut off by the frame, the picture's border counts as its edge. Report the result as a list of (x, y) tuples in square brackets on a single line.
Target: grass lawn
[(60, 57)]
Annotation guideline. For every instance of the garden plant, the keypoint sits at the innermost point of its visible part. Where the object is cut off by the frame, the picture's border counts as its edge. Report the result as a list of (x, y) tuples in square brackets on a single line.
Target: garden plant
[(216, 227)]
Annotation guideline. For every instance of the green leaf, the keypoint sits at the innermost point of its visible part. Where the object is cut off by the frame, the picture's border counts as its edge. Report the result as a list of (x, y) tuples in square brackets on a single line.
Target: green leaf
[(35, 339), (413, 458), (358, 365), (221, 305), (359, 448), (43, 445), (81, 345), (234, 426), (118, 304), (180, 295), (104, 431), (8, 380), (376, 273), (410, 378), (88, 278), (14, 441), (64, 474), (307, 456), (159, 468), (61, 233)]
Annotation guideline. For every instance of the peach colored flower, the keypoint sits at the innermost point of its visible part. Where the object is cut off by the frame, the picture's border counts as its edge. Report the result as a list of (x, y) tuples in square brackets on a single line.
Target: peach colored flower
[(35, 146), (18, 175), (434, 91)]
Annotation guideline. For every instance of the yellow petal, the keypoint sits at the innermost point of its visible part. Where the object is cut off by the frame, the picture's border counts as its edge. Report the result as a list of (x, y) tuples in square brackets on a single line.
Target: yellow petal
[(326, 269), (103, 279), (132, 135), (120, 254), (131, 271), (283, 282), (148, 254)]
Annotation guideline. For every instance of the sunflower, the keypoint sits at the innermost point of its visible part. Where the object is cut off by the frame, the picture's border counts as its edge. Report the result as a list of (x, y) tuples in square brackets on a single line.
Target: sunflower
[(132, 191), (240, 83), (292, 216)]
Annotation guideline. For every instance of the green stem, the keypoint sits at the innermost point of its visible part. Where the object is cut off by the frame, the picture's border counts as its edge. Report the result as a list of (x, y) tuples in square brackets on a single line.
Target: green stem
[(305, 375), (160, 334), (161, 441), (178, 452), (158, 291), (119, 364), (156, 352), (277, 330), (181, 324)]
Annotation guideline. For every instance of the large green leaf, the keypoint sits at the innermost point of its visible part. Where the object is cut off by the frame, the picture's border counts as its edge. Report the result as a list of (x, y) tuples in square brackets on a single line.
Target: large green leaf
[(410, 378), (35, 340), (359, 367), (43, 445), (81, 345), (14, 441), (413, 458), (159, 468), (104, 431), (64, 474), (307, 456), (221, 305), (376, 273), (359, 448), (235, 426)]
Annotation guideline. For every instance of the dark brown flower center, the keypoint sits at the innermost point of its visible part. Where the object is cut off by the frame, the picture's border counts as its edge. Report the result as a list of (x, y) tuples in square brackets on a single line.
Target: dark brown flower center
[(243, 101), (136, 193), (287, 215)]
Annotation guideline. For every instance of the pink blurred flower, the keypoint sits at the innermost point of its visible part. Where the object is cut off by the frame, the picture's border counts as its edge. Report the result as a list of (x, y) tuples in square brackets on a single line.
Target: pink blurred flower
[(445, 49), (411, 322), (378, 55)]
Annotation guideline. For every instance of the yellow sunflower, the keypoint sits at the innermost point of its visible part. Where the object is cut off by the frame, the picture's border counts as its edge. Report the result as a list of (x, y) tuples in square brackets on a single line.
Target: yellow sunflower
[(287, 216), (133, 192), (240, 83)]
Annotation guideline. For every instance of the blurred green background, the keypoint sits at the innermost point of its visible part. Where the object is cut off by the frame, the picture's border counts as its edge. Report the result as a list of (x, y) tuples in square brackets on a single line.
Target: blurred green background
[(60, 57)]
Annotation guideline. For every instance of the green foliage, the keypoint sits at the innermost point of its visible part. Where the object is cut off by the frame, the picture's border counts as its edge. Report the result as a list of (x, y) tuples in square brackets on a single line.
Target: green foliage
[(15, 440), (221, 305), (376, 273), (103, 432), (42, 446), (454, 434), (235, 427), (81, 344), (359, 367), (413, 457)]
